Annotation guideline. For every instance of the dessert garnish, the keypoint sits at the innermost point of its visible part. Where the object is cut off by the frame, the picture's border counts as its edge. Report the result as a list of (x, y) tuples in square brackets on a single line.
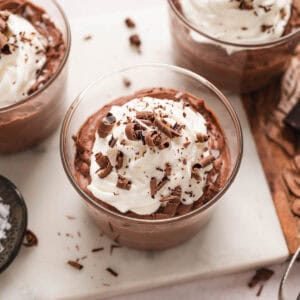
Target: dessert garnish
[(135, 41), (30, 239), (97, 249), (112, 272), (75, 264), (130, 23)]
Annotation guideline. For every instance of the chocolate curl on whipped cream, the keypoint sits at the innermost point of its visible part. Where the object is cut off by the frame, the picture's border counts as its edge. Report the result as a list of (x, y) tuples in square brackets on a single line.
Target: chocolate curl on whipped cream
[(153, 138), (196, 172), (201, 138), (3, 27), (106, 125), (123, 183), (145, 115), (134, 131), (164, 127), (119, 159), (104, 164), (205, 161)]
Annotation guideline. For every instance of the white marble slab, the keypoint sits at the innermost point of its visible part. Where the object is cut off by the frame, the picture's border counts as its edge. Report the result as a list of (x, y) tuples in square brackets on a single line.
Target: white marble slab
[(244, 233)]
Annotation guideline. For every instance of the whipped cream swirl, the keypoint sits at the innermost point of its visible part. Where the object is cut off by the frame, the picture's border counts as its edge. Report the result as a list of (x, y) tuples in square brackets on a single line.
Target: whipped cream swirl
[(142, 163), (238, 21), (22, 59)]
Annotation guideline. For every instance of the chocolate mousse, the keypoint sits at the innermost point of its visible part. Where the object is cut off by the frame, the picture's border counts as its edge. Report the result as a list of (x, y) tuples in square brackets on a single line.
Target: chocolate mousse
[(33, 49), (156, 154), (216, 39)]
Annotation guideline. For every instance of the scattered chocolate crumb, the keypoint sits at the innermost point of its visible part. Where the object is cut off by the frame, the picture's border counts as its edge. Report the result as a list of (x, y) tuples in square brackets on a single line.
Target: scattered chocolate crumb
[(135, 41), (87, 37), (105, 284), (112, 272), (259, 290), (30, 239), (126, 82), (75, 264), (129, 23), (261, 275), (70, 217), (112, 247), (97, 249)]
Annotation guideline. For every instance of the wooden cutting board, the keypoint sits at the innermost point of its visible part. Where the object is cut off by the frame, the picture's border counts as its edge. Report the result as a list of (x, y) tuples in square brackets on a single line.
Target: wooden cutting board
[(278, 146)]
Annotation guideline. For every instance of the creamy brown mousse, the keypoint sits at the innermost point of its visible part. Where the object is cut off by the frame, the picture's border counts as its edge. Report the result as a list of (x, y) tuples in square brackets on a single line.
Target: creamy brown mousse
[(240, 70), (28, 123), (156, 135)]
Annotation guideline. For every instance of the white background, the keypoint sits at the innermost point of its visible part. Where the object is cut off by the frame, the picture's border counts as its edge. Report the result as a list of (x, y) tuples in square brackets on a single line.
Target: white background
[(227, 287)]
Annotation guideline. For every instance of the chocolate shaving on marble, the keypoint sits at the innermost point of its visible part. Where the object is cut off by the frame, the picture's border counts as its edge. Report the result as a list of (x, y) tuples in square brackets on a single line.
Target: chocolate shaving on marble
[(75, 264), (133, 131), (164, 127), (292, 181), (119, 160), (30, 239), (129, 23), (201, 138), (104, 164), (106, 125), (123, 183), (112, 272), (135, 41)]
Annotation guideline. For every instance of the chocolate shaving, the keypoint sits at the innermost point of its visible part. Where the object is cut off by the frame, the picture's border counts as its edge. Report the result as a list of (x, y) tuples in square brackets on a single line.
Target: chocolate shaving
[(153, 183), (246, 4), (161, 183), (126, 82), (165, 143), (292, 181), (168, 169), (88, 37), (196, 172), (112, 272), (3, 40), (104, 164), (135, 41), (205, 161), (75, 264), (259, 290), (30, 239), (153, 138), (119, 160), (169, 198), (112, 142), (145, 115), (97, 249), (265, 27), (133, 131), (262, 274), (129, 23), (123, 183), (106, 125), (112, 247), (201, 138), (164, 127)]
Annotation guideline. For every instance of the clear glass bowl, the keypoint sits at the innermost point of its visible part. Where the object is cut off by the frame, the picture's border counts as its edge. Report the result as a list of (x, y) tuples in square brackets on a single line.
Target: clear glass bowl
[(231, 66), (139, 233), (31, 120)]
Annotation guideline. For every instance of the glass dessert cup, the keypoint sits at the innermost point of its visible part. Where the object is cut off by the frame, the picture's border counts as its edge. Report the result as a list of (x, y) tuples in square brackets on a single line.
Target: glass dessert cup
[(134, 232), (230, 66), (31, 120)]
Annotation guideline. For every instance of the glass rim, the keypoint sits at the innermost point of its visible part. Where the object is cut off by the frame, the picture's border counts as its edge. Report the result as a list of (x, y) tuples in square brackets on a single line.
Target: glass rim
[(253, 46), (59, 69), (203, 81)]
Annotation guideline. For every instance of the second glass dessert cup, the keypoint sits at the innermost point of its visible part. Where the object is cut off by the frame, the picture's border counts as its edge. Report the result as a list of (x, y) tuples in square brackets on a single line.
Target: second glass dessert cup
[(140, 233)]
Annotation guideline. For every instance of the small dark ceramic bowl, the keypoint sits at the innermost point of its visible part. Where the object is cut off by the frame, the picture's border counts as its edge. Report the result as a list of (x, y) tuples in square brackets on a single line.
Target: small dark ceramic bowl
[(18, 220)]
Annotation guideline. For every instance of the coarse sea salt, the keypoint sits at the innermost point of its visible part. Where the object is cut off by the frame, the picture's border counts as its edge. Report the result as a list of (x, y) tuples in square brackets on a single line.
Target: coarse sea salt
[(4, 224)]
